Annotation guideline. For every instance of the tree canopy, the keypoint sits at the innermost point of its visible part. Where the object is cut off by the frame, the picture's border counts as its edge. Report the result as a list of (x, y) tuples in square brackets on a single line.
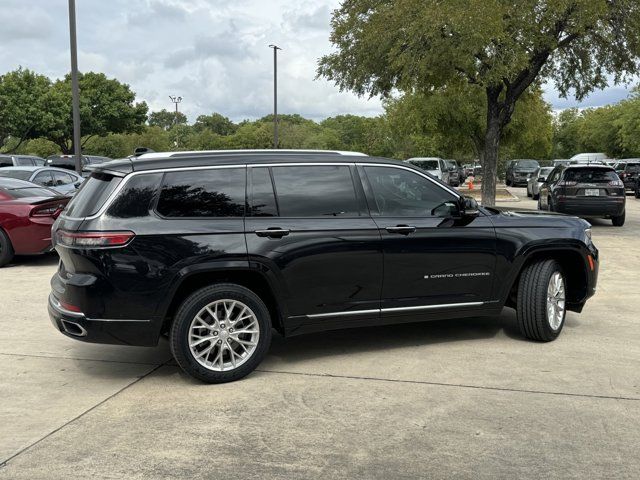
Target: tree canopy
[(166, 119), (498, 47)]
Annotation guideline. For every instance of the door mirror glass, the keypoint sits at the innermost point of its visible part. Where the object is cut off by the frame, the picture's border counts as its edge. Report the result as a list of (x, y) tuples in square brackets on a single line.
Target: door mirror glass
[(446, 210)]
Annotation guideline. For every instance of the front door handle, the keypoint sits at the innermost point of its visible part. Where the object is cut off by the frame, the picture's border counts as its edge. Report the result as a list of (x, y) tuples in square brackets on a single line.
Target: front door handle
[(401, 229), (272, 232)]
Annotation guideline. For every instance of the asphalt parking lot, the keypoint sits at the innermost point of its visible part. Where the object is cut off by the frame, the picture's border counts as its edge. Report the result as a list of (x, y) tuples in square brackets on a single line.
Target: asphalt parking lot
[(465, 399)]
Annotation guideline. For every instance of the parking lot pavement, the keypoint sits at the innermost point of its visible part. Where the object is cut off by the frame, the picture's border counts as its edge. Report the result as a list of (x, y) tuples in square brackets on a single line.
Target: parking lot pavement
[(467, 398)]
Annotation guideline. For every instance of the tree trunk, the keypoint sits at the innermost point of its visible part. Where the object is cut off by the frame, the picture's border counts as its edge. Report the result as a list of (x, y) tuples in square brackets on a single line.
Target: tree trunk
[(489, 157)]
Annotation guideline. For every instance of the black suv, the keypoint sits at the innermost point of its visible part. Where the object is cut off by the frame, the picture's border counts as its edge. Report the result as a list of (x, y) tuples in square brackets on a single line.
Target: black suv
[(585, 190), (214, 249), (519, 172)]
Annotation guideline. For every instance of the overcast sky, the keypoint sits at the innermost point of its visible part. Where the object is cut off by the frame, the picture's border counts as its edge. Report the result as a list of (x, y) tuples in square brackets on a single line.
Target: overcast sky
[(211, 52)]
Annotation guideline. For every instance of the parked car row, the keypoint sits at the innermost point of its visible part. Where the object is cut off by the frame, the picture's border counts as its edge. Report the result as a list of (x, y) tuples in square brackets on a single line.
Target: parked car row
[(449, 171), (62, 181)]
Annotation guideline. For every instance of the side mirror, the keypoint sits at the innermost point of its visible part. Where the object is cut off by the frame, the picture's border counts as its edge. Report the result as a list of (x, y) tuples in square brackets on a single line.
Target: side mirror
[(469, 207), (77, 184)]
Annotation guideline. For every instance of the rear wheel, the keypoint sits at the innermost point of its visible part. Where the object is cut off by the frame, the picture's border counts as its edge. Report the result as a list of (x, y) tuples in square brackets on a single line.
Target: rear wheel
[(221, 333), (508, 182), (619, 220), (541, 301), (529, 194), (6, 249)]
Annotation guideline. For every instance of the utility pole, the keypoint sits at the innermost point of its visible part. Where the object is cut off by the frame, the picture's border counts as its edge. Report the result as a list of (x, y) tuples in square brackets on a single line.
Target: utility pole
[(75, 90), (176, 100), (275, 94)]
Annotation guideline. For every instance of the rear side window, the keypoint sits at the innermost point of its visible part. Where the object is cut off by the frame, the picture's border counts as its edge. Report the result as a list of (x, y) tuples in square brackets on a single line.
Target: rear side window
[(315, 191), (586, 175), (263, 199), (137, 197), (24, 162), (218, 192), (92, 195)]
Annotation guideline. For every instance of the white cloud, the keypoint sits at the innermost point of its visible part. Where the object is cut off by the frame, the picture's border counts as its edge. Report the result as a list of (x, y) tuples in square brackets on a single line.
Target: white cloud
[(211, 52)]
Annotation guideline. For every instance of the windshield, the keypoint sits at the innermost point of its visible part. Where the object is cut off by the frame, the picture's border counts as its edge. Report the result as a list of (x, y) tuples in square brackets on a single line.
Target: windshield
[(589, 175), (544, 171), (92, 195), (526, 164), (426, 164), (21, 174)]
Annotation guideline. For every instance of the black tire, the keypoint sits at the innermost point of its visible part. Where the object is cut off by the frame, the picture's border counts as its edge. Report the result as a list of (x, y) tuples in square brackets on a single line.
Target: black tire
[(529, 194), (507, 182), (534, 196), (636, 192), (6, 249), (532, 301), (179, 335), (619, 220)]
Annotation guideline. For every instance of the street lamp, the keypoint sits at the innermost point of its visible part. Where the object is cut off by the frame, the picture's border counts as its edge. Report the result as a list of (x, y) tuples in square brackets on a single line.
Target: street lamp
[(176, 100), (75, 90), (275, 94)]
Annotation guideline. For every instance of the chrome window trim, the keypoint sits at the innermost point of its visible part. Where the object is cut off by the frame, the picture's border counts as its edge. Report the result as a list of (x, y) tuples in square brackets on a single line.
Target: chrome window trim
[(127, 177), (395, 309)]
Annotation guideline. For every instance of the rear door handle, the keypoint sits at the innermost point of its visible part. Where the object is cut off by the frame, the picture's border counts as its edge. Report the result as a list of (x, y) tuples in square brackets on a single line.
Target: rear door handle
[(272, 232), (401, 229)]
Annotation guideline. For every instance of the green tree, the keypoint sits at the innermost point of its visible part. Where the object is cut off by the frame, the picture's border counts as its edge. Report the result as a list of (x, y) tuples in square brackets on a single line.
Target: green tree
[(166, 119), (598, 130), (499, 46), (23, 107), (106, 106), (565, 133), (216, 123)]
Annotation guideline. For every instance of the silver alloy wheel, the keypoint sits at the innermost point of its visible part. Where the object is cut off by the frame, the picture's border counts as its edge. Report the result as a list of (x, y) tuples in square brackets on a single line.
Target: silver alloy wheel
[(555, 300), (224, 335)]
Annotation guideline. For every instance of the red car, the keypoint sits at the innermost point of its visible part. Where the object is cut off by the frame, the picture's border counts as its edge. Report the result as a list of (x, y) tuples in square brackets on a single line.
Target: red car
[(27, 212)]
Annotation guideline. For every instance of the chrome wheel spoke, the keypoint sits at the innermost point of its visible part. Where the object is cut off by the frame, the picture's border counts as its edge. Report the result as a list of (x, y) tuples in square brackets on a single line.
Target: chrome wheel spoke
[(555, 300), (224, 335)]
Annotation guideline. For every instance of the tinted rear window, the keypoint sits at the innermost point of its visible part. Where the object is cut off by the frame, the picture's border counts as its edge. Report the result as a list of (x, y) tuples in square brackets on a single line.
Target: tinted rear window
[(526, 164), (426, 164), (315, 191), (586, 175), (92, 195), (21, 174), (218, 192), (263, 200), (137, 197)]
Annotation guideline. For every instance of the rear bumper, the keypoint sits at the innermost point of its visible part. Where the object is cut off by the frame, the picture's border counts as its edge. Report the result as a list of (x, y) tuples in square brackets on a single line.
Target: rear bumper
[(111, 331), (596, 206)]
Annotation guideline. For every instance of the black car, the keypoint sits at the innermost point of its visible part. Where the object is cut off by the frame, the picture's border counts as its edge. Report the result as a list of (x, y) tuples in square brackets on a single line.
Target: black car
[(586, 191), (628, 170), (519, 172), (214, 249), (456, 173), (69, 161)]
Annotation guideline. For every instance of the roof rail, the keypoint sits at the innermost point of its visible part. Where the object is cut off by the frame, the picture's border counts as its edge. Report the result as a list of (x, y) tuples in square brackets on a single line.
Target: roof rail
[(251, 151)]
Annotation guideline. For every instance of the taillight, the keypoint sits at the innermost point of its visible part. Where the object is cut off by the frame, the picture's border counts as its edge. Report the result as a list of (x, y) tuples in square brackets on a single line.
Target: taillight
[(93, 239), (47, 210), (616, 183), (567, 183)]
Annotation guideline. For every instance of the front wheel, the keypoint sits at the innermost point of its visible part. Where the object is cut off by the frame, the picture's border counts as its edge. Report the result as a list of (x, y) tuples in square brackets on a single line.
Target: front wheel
[(541, 301), (221, 333)]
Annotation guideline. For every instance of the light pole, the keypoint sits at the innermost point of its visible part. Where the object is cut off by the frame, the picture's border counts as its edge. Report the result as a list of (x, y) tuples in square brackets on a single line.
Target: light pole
[(176, 100), (75, 90), (275, 94)]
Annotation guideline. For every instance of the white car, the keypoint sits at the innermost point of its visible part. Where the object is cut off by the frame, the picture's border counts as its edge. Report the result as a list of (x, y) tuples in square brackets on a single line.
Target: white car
[(598, 158), (433, 165), (536, 180)]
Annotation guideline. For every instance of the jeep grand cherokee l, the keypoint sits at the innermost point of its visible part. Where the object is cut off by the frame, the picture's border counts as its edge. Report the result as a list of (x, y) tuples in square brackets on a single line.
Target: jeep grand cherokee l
[(216, 248)]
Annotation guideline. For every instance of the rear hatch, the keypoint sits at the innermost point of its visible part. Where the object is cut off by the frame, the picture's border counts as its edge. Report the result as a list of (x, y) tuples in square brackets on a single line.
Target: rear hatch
[(591, 182)]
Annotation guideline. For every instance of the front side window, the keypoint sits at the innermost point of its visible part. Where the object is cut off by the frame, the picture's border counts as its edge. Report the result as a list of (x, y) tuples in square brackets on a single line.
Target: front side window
[(60, 178), (315, 191), (217, 192), (402, 193)]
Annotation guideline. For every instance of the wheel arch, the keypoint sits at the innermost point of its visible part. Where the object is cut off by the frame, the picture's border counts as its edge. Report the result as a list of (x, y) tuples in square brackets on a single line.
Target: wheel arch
[(574, 266), (192, 280)]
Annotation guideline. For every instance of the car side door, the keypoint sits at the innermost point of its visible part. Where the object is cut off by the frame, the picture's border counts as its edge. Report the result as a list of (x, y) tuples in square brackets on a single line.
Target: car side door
[(309, 231), (434, 259)]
